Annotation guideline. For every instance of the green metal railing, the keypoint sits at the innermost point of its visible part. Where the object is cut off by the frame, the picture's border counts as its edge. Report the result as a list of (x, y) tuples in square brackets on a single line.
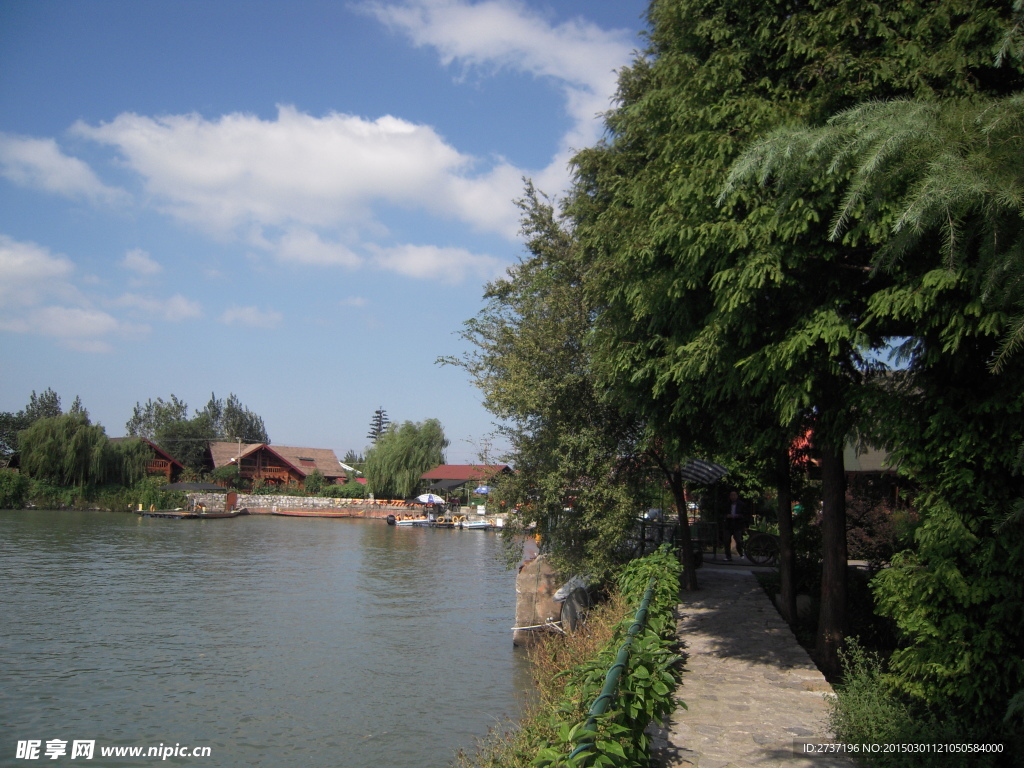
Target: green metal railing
[(588, 733)]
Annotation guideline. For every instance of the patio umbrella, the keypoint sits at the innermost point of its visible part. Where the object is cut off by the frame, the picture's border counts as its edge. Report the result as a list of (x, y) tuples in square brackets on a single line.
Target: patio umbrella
[(429, 498), (483, 489)]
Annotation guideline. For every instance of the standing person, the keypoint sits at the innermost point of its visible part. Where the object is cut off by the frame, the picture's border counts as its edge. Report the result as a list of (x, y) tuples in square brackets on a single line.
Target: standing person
[(735, 523)]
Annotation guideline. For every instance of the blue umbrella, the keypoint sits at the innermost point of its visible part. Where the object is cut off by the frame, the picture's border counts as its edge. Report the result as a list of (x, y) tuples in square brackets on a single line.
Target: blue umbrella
[(483, 489)]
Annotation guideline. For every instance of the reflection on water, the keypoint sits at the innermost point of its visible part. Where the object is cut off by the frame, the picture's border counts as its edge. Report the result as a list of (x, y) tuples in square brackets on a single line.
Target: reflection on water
[(273, 641)]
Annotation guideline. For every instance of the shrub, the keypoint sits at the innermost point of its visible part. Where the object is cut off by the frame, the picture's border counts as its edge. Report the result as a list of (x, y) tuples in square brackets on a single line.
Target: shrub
[(876, 531), (14, 488), (570, 670), (346, 491), (868, 709), (314, 482), (645, 692)]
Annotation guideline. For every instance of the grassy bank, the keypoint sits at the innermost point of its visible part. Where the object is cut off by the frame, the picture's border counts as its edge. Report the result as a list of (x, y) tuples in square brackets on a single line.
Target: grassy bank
[(569, 673)]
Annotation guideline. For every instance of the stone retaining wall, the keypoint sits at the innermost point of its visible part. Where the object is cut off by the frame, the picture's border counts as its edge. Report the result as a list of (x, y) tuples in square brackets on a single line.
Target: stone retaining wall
[(248, 500), (269, 502)]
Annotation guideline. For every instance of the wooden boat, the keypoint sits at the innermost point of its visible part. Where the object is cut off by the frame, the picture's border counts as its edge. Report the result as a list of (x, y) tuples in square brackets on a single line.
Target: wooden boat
[(173, 514), (318, 512), (219, 515)]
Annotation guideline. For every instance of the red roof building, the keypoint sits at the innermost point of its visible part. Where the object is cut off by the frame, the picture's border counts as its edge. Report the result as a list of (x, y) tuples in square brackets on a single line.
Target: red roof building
[(454, 475)]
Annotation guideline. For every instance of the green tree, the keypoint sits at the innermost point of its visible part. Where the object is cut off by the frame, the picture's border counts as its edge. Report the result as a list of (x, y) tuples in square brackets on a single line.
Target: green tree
[(401, 455), (378, 425), (148, 419), (722, 309), (14, 488), (45, 405), (67, 450), (230, 420), (578, 462), (938, 185), (167, 424), (187, 440)]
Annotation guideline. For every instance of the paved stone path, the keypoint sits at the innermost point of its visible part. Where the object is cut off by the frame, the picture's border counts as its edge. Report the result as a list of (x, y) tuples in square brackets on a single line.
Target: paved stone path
[(751, 689)]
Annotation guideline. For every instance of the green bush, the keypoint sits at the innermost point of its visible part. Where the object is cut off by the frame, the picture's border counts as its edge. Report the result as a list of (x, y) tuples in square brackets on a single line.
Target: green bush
[(958, 603), (346, 491), (314, 482), (45, 495), (646, 689), (867, 709), (14, 488)]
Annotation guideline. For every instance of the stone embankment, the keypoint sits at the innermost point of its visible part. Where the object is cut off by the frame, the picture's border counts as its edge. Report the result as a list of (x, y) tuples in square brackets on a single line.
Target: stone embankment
[(267, 504)]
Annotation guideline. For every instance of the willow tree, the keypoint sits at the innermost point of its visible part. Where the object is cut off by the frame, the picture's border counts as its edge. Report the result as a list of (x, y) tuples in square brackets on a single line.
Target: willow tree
[(395, 463), (68, 450), (718, 308), (42, 406)]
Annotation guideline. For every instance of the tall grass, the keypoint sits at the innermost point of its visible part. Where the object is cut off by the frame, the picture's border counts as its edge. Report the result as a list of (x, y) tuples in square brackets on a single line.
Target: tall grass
[(516, 744)]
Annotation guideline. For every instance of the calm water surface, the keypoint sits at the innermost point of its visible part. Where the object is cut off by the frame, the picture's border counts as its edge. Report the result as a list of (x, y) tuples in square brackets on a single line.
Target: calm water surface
[(274, 641)]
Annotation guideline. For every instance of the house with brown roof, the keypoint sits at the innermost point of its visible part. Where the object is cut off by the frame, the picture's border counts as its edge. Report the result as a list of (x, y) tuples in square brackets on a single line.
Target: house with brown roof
[(277, 464), (161, 463)]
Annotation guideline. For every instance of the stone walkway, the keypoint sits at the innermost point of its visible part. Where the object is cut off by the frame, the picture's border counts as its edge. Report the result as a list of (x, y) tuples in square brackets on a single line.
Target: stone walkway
[(751, 689)]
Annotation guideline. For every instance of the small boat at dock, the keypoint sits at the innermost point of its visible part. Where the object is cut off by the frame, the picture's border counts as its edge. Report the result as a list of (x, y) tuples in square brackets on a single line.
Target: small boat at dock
[(422, 521)]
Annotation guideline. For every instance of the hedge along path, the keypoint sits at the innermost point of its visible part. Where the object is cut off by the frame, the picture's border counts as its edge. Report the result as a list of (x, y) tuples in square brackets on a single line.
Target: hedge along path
[(751, 689)]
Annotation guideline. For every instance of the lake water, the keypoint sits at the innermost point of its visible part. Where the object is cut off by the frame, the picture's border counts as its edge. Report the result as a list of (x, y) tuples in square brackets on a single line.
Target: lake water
[(273, 641)]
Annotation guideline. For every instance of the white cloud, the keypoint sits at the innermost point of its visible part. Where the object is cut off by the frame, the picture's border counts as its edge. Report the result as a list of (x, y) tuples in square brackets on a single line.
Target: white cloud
[(577, 54), (40, 164), (240, 170), (299, 175), (303, 246), (80, 328), (28, 272), (137, 260), (452, 265), (253, 317), (313, 190), (37, 296), (174, 309)]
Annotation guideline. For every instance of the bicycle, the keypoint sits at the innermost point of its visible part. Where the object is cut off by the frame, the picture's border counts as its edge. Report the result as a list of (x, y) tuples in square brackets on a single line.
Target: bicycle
[(762, 549)]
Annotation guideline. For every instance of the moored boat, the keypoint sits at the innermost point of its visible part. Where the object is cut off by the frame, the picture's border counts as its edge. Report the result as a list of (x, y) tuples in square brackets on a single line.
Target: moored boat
[(317, 513), (455, 521)]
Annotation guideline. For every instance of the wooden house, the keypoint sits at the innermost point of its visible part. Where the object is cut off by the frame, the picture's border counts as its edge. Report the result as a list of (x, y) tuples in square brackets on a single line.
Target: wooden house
[(161, 463), (277, 464)]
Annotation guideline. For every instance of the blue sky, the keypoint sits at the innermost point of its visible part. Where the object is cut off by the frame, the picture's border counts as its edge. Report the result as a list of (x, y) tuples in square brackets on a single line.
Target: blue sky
[(298, 202)]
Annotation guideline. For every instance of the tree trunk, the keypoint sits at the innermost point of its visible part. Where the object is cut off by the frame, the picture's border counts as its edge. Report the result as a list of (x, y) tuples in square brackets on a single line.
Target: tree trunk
[(675, 482), (832, 618), (787, 597)]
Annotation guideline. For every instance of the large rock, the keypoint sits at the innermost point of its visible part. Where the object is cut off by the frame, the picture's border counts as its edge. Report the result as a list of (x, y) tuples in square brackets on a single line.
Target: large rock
[(536, 607)]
